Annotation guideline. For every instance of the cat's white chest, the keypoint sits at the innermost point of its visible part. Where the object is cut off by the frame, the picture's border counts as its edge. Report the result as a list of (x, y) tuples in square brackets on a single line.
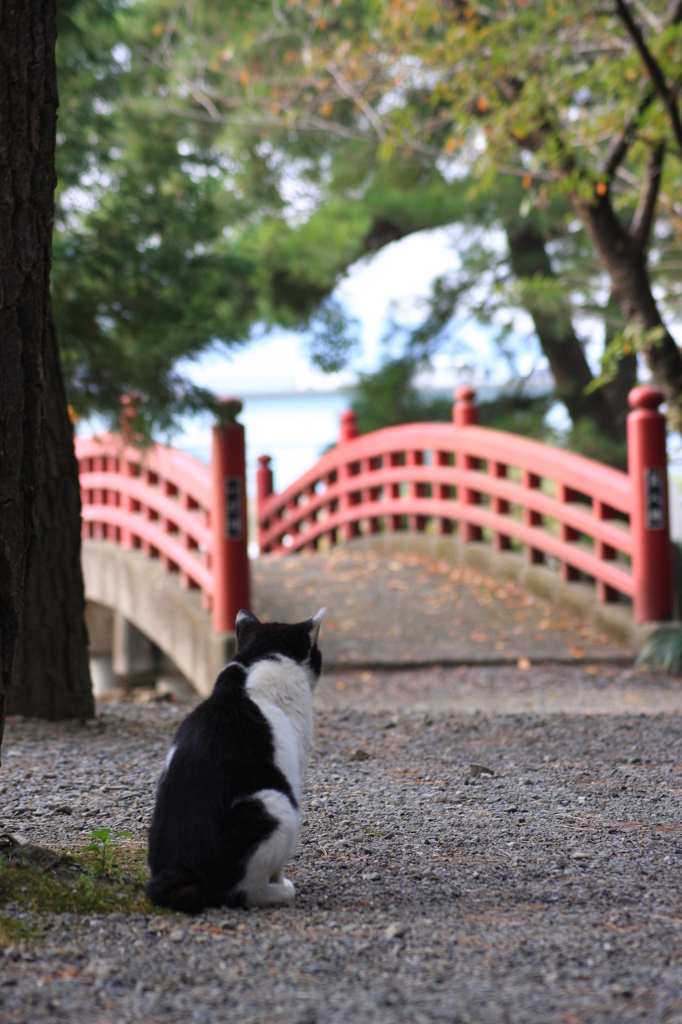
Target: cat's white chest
[(281, 689)]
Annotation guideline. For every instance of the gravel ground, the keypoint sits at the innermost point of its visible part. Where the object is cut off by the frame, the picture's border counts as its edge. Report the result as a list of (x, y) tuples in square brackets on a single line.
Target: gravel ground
[(427, 888)]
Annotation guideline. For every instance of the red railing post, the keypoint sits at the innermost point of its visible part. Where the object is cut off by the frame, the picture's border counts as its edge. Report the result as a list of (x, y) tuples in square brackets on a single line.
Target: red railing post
[(501, 542), (567, 534), (230, 563), (532, 518), (415, 523), (442, 492), (348, 431), (465, 414), (265, 484), (128, 413), (647, 469)]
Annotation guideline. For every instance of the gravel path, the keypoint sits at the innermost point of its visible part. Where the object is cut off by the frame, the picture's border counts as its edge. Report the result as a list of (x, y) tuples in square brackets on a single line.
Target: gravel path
[(427, 888)]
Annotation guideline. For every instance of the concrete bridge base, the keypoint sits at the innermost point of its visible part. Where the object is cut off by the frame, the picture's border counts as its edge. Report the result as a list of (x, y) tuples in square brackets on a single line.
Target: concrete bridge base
[(138, 616)]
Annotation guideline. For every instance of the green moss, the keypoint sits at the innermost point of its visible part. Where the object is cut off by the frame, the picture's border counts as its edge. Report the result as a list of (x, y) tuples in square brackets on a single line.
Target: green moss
[(13, 931), (72, 883)]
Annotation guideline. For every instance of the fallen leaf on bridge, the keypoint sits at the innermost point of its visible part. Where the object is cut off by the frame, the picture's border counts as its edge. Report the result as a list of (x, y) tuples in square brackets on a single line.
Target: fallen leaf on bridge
[(523, 663), (577, 652), (479, 638)]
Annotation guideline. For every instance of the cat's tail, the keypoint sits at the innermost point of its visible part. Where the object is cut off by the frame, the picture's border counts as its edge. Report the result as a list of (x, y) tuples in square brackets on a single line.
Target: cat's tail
[(178, 890)]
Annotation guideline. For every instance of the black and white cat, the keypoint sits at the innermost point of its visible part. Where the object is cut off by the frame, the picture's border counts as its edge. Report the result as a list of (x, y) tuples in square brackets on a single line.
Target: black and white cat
[(227, 808)]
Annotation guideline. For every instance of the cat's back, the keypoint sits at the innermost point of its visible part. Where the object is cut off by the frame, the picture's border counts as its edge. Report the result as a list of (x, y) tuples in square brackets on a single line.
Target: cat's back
[(225, 743)]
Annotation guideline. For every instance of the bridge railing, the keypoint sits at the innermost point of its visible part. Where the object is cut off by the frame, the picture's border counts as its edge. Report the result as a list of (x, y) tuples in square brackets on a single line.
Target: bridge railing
[(511, 491), (172, 507)]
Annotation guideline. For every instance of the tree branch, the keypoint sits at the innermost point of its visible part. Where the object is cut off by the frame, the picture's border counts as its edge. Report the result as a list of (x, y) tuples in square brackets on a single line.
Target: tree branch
[(349, 93), (657, 77), (652, 21), (644, 214), (620, 147), (675, 15)]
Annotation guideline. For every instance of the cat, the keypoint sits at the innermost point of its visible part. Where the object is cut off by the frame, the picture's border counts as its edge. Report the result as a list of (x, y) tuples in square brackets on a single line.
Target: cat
[(227, 810)]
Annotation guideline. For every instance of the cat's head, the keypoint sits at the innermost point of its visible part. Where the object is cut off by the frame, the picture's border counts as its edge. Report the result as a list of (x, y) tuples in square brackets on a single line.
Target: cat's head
[(297, 640)]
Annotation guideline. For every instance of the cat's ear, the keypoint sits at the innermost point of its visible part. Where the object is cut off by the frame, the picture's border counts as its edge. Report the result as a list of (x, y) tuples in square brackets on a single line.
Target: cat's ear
[(244, 621), (314, 625)]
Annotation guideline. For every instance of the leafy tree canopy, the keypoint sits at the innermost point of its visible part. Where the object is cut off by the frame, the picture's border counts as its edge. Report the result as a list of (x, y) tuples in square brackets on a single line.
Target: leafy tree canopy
[(576, 102), (223, 165)]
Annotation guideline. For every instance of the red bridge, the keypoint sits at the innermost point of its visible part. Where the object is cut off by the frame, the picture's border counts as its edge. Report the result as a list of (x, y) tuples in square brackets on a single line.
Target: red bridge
[(485, 485), (494, 486)]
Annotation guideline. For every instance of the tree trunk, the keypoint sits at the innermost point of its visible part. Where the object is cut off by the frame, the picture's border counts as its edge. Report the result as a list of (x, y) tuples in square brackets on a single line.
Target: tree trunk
[(28, 109), (52, 673), (625, 261), (618, 389), (554, 328)]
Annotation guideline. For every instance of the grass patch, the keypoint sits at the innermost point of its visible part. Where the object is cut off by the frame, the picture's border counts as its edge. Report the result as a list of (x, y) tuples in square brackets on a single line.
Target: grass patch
[(37, 880), (663, 650), (14, 932)]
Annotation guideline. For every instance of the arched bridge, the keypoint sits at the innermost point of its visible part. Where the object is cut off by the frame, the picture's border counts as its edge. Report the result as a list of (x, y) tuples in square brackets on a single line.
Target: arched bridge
[(164, 546), (164, 536)]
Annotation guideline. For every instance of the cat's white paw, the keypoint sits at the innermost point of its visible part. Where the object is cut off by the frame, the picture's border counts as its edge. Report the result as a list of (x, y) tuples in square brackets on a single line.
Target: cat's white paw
[(279, 893), (274, 894)]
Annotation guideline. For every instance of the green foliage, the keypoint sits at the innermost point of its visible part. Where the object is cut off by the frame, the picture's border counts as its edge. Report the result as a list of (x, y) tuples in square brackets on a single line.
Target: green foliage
[(141, 273), (519, 414), (389, 397), (663, 650), (585, 439), (13, 932), (630, 340), (69, 883), (333, 337), (221, 166), (103, 845)]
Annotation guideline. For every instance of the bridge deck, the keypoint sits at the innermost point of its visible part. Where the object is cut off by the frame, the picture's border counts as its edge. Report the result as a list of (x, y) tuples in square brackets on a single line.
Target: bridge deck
[(396, 607)]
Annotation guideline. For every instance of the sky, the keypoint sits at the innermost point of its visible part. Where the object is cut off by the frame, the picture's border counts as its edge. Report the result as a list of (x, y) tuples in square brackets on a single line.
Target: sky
[(285, 412), (398, 276)]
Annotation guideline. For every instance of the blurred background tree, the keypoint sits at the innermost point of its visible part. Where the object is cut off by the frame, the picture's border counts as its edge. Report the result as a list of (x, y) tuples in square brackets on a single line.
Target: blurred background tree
[(224, 167)]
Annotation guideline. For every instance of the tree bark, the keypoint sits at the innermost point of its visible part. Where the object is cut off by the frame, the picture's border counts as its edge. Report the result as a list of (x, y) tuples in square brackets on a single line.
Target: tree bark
[(554, 329), (618, 389), (28, 109), (52, 673), (624, 258)]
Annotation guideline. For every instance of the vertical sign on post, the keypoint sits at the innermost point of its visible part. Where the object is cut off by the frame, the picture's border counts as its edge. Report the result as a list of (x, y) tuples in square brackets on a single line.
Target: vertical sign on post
[(654, 498), (230, 557), (234, 497), (651, 557)]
